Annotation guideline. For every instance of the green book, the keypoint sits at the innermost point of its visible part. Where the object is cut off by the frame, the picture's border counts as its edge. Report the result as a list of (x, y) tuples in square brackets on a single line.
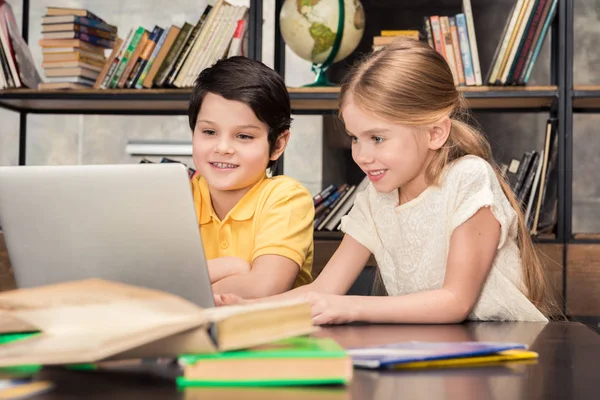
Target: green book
[(13, 337), (295, 361), (21, 370)]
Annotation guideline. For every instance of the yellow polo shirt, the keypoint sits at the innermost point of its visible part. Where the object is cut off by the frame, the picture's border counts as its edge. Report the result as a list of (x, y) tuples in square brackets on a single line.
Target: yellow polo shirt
[(276, 216)]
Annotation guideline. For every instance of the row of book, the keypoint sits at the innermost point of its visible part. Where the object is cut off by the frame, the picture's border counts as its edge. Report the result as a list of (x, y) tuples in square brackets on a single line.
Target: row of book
[(174, 56), (17, 67), (73, 44), (520, 43), (333, 202), (387, 36), (534, 181), (454, 38), (522, 38)]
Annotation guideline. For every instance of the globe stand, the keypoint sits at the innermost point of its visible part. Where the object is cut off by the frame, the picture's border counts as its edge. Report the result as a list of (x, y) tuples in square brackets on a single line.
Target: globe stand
[(321, 78)]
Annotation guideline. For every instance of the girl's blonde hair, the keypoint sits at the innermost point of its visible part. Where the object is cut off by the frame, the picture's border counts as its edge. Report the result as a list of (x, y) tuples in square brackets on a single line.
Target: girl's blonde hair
[(410, 83)]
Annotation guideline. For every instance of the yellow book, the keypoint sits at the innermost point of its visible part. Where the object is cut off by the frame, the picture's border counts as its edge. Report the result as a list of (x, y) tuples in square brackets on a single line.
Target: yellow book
[(491, 359), (402, 32)]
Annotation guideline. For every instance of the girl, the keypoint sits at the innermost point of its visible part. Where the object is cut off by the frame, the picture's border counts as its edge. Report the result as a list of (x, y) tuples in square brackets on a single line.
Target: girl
[(446, 232)]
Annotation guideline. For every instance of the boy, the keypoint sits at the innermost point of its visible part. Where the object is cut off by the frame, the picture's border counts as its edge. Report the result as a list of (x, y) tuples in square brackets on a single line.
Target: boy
[(257, 231)]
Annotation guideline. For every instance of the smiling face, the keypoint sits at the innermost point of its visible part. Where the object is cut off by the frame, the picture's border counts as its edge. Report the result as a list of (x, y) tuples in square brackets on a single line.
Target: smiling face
[(230, 145), (392, 155)]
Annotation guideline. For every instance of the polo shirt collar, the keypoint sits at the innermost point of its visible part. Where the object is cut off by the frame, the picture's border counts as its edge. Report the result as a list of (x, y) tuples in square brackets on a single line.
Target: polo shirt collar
[(242, 211)]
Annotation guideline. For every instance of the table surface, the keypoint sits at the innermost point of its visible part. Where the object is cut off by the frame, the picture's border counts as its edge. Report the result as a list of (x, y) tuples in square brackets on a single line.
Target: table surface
[(567, 368)]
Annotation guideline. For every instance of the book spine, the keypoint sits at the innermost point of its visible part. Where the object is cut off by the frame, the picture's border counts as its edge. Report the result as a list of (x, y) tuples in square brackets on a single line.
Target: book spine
[(505, 41), (95, 32), (134, 56), (140, 63), (428, 35), (437, 34), (5, 68), (448, 48), (517, 79), (187, 47), (93, 23), (517, 44), (140, 82), (531, 32), (319, 198), (96, 41), (165, 68), (235, 47), (465, 51), (199, 43), (540, 42), (456, 47), (472, 41), (108, 64), (123, 61), (114, 63)]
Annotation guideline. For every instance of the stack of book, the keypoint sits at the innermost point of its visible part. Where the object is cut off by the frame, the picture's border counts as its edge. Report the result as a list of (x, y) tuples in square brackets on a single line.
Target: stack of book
[(409, 355), (387, 36), (73, 45), (333, 202), (266, 344), (174, 56)]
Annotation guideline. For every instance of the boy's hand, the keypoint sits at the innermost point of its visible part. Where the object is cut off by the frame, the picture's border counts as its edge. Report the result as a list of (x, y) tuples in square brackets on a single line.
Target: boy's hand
[(229, 299)]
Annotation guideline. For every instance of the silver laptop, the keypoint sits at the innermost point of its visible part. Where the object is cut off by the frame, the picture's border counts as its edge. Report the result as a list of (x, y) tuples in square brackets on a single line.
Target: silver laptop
[(134, 224)]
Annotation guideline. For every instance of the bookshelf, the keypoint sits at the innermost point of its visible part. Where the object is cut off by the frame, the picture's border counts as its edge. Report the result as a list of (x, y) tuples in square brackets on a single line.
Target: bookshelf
[(571, 258), (524, 98), (304, 100)]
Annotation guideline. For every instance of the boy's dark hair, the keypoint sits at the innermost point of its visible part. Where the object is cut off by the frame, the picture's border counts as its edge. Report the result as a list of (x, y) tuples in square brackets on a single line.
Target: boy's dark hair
[(252, 83)]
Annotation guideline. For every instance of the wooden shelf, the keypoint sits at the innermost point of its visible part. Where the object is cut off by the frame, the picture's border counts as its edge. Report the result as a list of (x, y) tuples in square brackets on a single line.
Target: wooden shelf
[(304, 100), (534, 98), (586, 238), (586, 98), (92, 101)]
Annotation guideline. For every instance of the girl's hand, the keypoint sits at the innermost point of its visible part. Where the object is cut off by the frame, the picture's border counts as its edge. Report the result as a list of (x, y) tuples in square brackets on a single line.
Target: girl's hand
[(330, 308)]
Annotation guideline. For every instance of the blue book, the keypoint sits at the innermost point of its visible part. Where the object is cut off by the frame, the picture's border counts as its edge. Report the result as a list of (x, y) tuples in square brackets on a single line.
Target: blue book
[(406, 352), (465, 50)]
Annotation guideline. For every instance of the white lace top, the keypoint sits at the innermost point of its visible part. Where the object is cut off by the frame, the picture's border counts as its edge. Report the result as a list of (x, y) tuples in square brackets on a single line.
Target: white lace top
[(410, 242)]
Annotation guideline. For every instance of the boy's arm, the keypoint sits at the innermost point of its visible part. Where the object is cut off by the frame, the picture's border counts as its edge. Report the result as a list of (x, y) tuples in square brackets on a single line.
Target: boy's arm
[(220, 268), (336, 278), (269, 275)]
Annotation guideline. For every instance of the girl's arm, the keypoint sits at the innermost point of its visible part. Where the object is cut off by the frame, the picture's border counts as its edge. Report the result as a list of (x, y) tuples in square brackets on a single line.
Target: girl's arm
[(336, 278), (472, 250)]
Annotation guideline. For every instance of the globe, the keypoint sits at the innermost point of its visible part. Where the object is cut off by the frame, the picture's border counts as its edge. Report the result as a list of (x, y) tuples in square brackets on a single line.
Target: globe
[(322, 31)]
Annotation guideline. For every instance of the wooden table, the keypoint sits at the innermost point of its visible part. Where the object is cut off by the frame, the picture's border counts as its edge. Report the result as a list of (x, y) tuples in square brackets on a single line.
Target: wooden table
[(567, 369)]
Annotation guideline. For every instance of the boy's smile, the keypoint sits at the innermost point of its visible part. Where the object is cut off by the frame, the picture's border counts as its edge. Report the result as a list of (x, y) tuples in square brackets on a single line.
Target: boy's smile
[(223, 166)]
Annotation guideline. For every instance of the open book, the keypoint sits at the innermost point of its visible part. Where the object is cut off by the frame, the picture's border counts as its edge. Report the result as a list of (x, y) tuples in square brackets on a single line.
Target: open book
[(92, 320)]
